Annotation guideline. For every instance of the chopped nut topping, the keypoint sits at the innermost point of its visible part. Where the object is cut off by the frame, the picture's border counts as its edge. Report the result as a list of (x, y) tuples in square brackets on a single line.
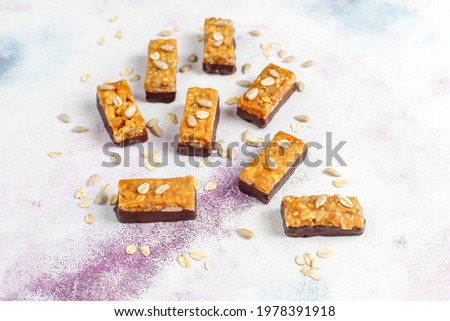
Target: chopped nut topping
[(143, 188), (167, 48), (201, 114), (345, 201), (252, 94), (130, 111), (307, 64), (161, 64), (130, 249), (54, 154), (340, 182), (197, 255), (117, 101), (204, 102), (320, 200), (64, 118), (156, 130), (255, 142), (152, 122), (161, 189), (274, 73), (154, 55), (268, 81), (89, 218), (126, 71), (191, 121), (332, 172), (106, 87), (210, 186), (79, 129), (324, 253), (284, 143), (145, 250), (245, 233)]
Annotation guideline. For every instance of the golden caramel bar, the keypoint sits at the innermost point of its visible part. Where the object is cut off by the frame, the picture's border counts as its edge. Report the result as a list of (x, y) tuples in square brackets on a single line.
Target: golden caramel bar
[(266, 95), (269, 170), (199, 123), (145, 200), (120, 114), (219, 55), (322, 215), (160, 77)]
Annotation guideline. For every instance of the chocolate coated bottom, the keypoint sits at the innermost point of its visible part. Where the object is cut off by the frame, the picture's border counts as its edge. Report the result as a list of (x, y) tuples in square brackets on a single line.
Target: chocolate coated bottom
[(260, 122), (318, 230), (263, 197), (160, 97)]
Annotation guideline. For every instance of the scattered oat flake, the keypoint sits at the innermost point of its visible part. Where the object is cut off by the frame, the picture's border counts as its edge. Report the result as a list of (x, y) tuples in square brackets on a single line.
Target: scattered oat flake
[(231, 101), (246, 68), (152, 122), (324, 253), (302, 118), (85, 78), (231, 152), (176, 28), (89, 218), (307, 64), (255, 33), (199, 39), (193, 58), (340, 182), (196, 183), (156, 130), (314, 263), (296, 127), (197, 255), (307, 258), (320, 201), (314, 275), (135, 78), (149, 166), (119, 34), (79, 129), (126, 71), (130, 249), (85, 202), (161, 189), (172, 118), (185, 68), (306, 271), (332, 172), (245, 233), (201, 163), (255, 142), (145, 250), (210, 186), (102, 198), (345, 201), (288, 59), (207, 265), (244, 83), (93, 179), (165, 33), (281, 53), (54, 154), (113, 18), (246, 135), (64, 118), (112, 200), (184, 260), (80, 193), (101, 41), (300, 260)]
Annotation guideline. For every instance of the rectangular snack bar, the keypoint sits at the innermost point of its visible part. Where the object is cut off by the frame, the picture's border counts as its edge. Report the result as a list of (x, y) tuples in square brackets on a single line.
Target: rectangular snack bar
[(269, 170), (270, 90), (160, 77), (199, 123), (219, 55), (145, 200), (120, 114), (322, 215)]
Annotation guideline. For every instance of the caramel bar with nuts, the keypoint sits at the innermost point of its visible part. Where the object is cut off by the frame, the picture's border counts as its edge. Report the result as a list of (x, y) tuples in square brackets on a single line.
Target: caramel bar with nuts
[(145, 200), (120, 114), (160, 77), (271, 89), (322, 215), (269, 170), (199, 123), (219, 55)]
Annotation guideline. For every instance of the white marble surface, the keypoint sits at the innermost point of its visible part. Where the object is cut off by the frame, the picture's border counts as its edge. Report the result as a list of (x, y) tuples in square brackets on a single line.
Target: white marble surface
[(380, 82)]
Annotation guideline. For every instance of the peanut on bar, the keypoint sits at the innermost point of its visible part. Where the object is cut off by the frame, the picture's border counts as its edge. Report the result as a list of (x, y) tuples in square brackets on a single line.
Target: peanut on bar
[(269, 170), (120, 114), (322, 215), (219, 55), (145, 200), (199, 123), (270, 90), (160, 77)]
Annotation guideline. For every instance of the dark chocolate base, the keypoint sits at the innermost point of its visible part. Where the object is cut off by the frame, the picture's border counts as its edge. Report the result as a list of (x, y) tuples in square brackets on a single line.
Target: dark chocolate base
[(160, 97), (219, 69), (187, 150), (263, 197), (260, 122), (318, 230), (127, 141)]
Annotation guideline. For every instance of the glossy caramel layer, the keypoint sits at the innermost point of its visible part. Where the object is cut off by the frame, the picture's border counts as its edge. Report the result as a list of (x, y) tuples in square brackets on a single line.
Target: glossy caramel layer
[(161, 52), (219, 42)]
